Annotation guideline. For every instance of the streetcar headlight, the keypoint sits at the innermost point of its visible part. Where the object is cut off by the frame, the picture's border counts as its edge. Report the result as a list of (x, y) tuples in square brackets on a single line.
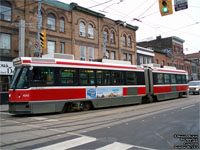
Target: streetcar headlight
[(197, 89), (9, 95)]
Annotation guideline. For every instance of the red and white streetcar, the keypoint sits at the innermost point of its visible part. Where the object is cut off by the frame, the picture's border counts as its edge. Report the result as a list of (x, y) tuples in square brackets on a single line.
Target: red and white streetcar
[(45, 85)]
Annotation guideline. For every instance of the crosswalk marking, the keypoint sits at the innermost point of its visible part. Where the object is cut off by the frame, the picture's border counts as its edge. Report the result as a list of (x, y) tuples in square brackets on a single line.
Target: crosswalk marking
[(116, 146), (85, 140), (69, 144)]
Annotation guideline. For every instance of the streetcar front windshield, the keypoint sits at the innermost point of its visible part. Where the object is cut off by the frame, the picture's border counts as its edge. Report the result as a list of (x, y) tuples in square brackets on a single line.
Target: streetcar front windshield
[(20, 79)]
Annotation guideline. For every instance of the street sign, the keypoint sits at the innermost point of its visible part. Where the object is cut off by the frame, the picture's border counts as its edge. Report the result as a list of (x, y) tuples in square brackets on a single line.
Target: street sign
[(36, 44), (180, 4)]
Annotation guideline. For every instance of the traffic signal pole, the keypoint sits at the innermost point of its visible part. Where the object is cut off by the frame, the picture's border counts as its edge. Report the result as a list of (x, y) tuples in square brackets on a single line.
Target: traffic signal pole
[(38, 52)]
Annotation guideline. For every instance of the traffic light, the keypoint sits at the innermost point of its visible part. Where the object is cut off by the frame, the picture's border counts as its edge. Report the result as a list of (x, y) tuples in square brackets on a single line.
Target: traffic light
[(165, 7), (43, 39)]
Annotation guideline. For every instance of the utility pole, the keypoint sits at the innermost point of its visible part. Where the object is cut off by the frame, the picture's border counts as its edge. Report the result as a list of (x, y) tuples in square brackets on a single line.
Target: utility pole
[(21, 38), (38, 52), (22, 25)]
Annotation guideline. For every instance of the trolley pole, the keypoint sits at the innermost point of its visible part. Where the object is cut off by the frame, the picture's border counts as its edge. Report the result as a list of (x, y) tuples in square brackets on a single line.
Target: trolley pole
[(38, 52)]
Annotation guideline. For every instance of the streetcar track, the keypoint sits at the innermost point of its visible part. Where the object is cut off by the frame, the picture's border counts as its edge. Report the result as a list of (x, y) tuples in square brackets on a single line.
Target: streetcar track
[(83, 118), (95, 117), (101, 125), (132, 108)]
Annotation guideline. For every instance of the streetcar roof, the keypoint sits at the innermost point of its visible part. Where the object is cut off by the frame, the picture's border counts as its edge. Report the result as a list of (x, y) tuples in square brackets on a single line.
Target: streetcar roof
[(164, 69), (168, 70), (56, 62)]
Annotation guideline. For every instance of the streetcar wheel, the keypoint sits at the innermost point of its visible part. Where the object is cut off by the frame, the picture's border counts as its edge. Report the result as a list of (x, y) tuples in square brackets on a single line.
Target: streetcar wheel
[(86, 106), (67, 108)]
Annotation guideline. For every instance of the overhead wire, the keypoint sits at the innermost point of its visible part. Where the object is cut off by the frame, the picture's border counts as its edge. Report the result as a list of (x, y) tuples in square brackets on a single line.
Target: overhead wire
[(100, 4), (172, 29), (139, 17), (137, 7), (147, 9), (117, 11)]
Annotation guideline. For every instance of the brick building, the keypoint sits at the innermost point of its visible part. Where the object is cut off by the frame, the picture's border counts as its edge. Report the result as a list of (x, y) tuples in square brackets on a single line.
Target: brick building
[(195, 65), (145, 55), (168, 51), (70, 29)]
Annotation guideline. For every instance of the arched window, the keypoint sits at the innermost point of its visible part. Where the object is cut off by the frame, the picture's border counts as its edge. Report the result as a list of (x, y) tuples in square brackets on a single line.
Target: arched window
[(129, 42), (51, 21), (112, 37), (62, 24), (82, 29), (5, 11), (124, 40), (90, 31), (105, 34)]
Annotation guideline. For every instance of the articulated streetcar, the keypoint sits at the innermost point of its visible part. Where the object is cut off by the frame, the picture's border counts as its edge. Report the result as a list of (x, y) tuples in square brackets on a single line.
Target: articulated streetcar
[(45, 85)]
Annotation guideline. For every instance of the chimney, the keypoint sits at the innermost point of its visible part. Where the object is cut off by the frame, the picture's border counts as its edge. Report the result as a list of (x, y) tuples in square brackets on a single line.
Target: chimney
[(158, 37)]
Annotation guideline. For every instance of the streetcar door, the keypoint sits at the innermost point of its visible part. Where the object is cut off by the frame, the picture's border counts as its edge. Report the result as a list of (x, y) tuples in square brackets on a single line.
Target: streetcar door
[(149, 82), (146, 75)]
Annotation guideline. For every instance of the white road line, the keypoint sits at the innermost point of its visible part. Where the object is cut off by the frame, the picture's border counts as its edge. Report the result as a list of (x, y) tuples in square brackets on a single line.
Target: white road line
[(52, 120), (116, 146), (55, 130), (69, 144), (140, 147), (33, 126), (187, 107), (39, 118)]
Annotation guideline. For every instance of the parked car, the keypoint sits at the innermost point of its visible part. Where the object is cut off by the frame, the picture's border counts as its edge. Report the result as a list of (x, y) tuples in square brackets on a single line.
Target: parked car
[(194, 87)]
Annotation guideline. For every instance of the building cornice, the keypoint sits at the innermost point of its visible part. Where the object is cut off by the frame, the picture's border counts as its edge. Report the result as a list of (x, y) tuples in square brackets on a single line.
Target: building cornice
[(59, 4), (75, 6), (119, 22)]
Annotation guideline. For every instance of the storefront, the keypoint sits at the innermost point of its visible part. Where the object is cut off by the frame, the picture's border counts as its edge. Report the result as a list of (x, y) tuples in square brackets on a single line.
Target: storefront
[(6, 72)]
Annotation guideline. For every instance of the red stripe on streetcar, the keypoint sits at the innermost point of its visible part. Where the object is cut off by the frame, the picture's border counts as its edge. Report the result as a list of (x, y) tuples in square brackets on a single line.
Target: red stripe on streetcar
[(94, 65), (182, 88), (141, 90), (26, 61), (47, 94), (125, 91), (162, 89), (169, 70)]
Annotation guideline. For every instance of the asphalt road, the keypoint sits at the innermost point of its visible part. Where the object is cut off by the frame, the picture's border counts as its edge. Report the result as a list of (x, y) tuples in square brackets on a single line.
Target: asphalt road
[(172, 124)]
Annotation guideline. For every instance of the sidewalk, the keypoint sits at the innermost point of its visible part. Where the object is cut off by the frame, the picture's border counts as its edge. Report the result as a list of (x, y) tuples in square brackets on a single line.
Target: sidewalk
[(3, 108)]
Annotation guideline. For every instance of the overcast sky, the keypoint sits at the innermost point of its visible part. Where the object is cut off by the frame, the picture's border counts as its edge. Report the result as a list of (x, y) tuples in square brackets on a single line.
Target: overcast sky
[(184, 24)]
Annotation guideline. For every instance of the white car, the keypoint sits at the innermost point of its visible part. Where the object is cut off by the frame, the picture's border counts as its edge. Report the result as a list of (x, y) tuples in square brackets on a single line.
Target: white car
[(194, 87)]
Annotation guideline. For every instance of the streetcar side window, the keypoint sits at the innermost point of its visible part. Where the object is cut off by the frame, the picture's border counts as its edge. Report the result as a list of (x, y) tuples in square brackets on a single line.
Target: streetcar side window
[(43, 76), (131, 78), (68, 76), (166, 77), (103, 77), (86, 77), (140, 78), (173, 79), (184, 80), (117, 77), (179, 80), (158, 78)]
